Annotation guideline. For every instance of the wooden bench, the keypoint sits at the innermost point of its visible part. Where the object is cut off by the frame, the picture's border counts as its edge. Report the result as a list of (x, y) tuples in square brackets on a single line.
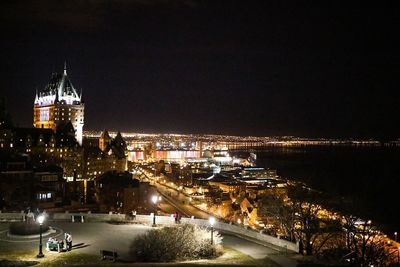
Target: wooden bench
[(107, 254)]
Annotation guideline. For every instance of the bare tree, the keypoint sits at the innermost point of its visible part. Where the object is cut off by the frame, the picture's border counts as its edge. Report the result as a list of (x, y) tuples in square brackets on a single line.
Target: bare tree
[(312, 231), (275, 206), (366, 245)]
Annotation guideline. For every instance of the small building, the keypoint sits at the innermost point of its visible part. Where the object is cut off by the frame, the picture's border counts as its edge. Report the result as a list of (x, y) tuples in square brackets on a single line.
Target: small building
[(226, 183), (50, 189), (120, 192), (23, 186), (109, 155)]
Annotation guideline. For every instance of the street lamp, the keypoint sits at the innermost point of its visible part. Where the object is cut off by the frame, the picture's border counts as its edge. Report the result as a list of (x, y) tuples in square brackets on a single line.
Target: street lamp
[(212, 222), (395, 236), (154, 199), (40, 220)]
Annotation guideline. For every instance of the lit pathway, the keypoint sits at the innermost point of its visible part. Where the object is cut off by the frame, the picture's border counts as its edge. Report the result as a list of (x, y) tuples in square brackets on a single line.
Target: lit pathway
[(92, 237), (257, 250)]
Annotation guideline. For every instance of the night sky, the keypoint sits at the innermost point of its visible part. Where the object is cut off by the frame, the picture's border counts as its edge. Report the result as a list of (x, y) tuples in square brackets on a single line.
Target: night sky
[(223, 67)]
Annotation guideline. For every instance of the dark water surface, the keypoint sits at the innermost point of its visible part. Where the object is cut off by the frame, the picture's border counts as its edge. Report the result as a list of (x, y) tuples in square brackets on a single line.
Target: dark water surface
[(368, 175)]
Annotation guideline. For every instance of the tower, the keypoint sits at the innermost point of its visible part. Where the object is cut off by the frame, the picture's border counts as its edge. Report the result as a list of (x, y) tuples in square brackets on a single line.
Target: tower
[(104, 140), (59, 103)]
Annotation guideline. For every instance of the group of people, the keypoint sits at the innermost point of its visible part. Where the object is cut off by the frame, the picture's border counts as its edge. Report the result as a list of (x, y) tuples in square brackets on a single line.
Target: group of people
[(60, 245), (30, 216)]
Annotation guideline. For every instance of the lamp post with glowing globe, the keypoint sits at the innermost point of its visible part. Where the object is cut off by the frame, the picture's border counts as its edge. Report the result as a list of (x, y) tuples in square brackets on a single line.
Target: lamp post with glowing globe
[(40, 220), (212, 222), (155, 199)]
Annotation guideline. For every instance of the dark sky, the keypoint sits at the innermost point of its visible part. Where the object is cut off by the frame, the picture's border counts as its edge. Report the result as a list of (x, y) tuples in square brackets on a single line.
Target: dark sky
[(228, 67)]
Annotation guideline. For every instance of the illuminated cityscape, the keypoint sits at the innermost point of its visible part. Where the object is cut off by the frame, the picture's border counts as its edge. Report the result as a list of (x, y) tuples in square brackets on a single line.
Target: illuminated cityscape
[(210, 134)]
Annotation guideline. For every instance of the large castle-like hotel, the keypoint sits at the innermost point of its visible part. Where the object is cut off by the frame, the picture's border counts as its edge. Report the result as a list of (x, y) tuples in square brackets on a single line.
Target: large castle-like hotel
[(58, 104)]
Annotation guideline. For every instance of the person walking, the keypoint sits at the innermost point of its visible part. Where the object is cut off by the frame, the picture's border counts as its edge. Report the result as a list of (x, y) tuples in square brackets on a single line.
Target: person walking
[(178, 217)]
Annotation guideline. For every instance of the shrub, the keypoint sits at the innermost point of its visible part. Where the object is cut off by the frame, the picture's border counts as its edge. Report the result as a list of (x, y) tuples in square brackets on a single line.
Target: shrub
[(181, 242), (27, 228)]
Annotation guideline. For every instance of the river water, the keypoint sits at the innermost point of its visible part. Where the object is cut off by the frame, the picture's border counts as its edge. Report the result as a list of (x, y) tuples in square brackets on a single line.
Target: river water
[(369, 176)]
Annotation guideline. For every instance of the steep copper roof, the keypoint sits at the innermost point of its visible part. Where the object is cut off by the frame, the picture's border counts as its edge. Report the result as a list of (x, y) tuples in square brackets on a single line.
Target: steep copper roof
[(59, 88), (105, 135)]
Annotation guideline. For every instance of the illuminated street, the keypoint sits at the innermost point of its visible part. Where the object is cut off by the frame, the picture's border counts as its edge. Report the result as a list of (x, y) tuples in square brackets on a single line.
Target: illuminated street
[(181, 201)]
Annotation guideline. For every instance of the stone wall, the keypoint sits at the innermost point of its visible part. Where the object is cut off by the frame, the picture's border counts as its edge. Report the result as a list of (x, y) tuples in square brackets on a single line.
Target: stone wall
[(9, 217)]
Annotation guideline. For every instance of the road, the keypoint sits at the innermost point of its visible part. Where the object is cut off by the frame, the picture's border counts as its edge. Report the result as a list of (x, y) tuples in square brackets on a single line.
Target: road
[(173, 200), (180, 202)]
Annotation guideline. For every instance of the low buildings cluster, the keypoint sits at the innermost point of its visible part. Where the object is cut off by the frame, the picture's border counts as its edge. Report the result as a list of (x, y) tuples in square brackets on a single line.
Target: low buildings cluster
[(231, 188), (50, 170)]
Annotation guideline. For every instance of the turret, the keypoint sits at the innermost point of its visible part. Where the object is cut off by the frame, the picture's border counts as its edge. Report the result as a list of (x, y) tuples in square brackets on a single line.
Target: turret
[(36, 98), (65, 67), (104, 140)]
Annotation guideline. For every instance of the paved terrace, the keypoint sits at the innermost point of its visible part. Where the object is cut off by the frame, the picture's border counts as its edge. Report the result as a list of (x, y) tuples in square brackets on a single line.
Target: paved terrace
[(104, 231)]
